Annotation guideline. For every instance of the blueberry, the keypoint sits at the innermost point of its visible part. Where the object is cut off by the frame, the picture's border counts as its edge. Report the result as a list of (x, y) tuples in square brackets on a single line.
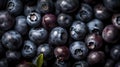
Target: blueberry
[(64, 20), (67, 6), (101, 12), (21, 25), (80, 64), (29, 49), (12, 40), (78, 30), (33, 19), (58, 36), (112, 5), (110, 34), (3, 63), (115, 52), (46, 49), (15, 7), (45, 6), (95, 26), (49, 21), (60, 64), (95, 57), (13, 56), (94, 41), (115, 20), (78, 50), (38, 35), (85, 13), (6, 20), (68, 33), (61, 53), (109, 63)]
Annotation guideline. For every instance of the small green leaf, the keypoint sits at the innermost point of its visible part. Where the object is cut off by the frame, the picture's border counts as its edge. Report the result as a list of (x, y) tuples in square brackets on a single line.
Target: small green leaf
[(40, 60)]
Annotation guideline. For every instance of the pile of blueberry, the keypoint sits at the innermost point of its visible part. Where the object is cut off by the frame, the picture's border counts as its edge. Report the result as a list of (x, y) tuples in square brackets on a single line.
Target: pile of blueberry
[(67, 33)]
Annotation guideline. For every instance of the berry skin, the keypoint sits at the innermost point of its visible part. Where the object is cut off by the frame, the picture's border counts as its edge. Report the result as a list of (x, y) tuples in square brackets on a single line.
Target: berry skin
[(95, 57), (3, 63), (46, 49), (12, 40), (21, 25), (67, 6), (59, 33), (78, 30), (94, 41), (13, 56), (64, 20), (110, 34), (116, 20), (29, 9), (29, 49), (58, 36), (95, 26), (15, 7), (45, 6), (61, 53), (6, 20), (49, 21), (80, 64), (101, 12), (60, 64), (38, 35), (109, 63), (115, 52), (112, 5), (85, 13), (33, 19), (78, 50)]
